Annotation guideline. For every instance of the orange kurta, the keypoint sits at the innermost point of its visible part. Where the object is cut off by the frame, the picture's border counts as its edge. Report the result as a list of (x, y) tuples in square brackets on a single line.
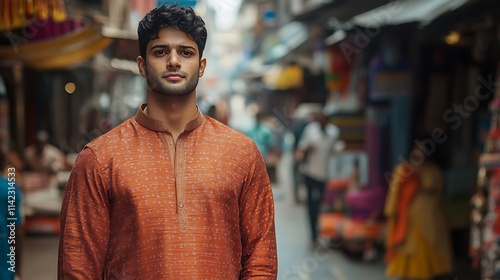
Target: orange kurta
[(139, 206)]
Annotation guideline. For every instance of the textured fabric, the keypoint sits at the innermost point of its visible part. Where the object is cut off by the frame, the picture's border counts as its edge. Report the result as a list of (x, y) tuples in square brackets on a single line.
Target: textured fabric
[(139, 206)]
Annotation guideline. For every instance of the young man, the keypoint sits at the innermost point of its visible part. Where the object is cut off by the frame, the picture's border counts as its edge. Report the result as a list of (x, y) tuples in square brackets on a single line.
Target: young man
[(169, 193)]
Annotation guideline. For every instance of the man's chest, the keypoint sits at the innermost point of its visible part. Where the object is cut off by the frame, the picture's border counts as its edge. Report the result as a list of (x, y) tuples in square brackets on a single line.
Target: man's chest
[(193, 181)]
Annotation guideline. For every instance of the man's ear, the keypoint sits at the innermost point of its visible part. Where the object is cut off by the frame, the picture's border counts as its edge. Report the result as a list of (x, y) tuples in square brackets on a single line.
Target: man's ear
[(203, 64), (141, 64)]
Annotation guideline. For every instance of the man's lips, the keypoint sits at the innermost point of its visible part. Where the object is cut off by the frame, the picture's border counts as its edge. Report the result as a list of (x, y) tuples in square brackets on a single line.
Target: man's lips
[(173, 76)]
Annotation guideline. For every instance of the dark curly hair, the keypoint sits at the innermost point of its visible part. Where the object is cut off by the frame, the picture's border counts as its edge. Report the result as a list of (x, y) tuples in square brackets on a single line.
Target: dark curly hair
[(182, 18)]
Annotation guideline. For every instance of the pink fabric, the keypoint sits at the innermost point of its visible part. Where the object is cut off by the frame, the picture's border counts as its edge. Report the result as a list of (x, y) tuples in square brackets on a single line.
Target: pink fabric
[(49, 29), (365, 203)]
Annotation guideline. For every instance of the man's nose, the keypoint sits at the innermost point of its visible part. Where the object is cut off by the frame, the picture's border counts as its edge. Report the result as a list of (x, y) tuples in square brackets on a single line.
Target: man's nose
[(173, 61)]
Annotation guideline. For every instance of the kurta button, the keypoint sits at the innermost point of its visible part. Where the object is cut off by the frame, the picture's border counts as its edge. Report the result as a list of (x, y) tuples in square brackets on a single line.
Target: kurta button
[(181, 205)]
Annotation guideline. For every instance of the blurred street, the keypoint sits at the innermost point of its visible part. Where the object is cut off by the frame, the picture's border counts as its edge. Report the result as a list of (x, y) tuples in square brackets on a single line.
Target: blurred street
[(296, 258), (388, 110)]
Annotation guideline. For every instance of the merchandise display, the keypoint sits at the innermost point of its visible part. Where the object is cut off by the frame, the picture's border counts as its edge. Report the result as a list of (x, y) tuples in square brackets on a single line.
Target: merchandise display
[(485, 214)]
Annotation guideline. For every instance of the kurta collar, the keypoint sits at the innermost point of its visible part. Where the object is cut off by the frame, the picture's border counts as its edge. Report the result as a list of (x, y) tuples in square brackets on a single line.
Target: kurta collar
[(157, 125)]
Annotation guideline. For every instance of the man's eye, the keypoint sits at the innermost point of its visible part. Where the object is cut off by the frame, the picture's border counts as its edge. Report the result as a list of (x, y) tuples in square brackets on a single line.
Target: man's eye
[(159, 52), (187, 53)]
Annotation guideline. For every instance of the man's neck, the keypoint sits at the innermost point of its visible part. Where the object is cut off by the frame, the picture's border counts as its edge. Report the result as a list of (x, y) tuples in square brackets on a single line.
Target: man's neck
[(175, 112)]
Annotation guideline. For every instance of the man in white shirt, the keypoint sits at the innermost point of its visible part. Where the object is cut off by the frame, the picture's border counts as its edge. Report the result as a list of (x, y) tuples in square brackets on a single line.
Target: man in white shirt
[(43, 157), (315, 148)]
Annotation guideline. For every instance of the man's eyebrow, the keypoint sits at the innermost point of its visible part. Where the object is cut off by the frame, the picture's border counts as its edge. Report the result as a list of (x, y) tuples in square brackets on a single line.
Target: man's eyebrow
[(161, 46), (187, 47)]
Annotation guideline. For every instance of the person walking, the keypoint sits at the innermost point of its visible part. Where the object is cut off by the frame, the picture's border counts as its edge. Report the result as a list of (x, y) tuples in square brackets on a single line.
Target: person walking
[(169, 193), (316, 145)]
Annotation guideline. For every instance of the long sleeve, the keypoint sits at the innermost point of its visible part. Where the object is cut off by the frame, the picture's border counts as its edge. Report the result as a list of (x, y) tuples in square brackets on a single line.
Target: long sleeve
[(85, 221), (259, 258)]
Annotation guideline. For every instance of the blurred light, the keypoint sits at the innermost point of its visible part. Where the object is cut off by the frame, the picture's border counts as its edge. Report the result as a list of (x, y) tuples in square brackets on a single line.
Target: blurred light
[(104, 101), (452, 38), (70, 87)]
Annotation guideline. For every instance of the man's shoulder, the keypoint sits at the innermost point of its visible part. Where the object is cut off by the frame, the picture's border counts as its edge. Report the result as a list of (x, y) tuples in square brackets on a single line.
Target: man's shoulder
[(225, 133), (116, 137)]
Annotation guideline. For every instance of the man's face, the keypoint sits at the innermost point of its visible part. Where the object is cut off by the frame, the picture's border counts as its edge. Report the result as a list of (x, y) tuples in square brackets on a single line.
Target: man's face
[(172, 66)]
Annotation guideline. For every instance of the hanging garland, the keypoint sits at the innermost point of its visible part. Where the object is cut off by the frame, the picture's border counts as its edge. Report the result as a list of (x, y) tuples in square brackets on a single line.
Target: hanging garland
[(19, 13)]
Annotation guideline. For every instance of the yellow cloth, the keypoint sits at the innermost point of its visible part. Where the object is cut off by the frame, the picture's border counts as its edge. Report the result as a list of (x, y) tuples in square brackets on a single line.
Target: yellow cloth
[(423, 263)]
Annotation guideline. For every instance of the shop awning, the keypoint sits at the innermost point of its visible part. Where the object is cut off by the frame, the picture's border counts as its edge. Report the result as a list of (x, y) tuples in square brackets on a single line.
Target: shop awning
[(290, 37), (58, 52), (342, 10), (406, 11)]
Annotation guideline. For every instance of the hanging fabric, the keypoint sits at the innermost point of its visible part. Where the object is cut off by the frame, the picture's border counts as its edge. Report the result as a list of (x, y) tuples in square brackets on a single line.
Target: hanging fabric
[(19, 13)]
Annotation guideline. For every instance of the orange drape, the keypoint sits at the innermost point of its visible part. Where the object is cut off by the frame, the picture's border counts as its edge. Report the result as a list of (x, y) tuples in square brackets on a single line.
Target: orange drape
[(407, 184)]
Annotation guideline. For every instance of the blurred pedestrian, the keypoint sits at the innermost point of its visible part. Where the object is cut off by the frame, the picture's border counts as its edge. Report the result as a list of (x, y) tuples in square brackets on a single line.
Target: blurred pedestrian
[(263, 135), (169, 193), (44, 157), (10, 233), (315, 148), (417, 243)]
